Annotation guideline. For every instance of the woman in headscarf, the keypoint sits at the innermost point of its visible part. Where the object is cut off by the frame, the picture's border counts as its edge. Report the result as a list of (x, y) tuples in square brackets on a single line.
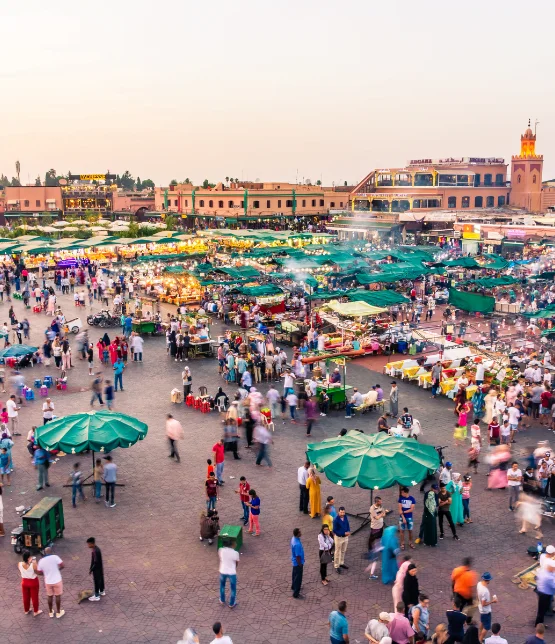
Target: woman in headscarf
[(456, 508), (113, 349), (429, 520), (390, 544), (397, 590), (410, 588), (106, 340), (100, 349), (313, 483), (478, 403), (173, 344)]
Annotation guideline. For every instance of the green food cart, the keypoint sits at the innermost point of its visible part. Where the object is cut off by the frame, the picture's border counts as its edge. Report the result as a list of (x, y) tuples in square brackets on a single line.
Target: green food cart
[(338, 395), (42, 524), (232, 532)]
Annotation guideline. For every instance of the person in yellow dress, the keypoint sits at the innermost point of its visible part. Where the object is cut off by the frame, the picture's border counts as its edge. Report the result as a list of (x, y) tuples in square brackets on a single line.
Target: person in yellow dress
[(314, 496), (327, 519)]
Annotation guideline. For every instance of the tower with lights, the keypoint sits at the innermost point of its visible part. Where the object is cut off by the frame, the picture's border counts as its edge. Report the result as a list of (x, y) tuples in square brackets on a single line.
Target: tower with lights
[(526, 174)]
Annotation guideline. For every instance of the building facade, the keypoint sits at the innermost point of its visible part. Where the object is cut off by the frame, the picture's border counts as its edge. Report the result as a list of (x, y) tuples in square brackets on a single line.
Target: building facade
[(526, 174), (24, 201)]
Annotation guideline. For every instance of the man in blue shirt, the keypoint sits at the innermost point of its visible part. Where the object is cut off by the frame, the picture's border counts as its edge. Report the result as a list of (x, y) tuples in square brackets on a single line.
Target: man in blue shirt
[(297, 559), (406, 522), (118, 373), (545, 589), (339, 627), (341, 531)]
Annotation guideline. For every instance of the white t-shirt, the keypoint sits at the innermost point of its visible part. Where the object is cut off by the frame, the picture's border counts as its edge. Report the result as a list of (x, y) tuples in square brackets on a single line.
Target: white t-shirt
[(480, 371), (505, 429), (12, 409), (292, 400), (49, 567), (495, 639), (228, 561), (47, 414), (516, 474), (514, 415), (483, 596), (222, 640), (288, 382)]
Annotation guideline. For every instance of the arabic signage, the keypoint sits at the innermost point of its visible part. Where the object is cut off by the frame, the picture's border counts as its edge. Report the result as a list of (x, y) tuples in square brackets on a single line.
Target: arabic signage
[(457, 160)]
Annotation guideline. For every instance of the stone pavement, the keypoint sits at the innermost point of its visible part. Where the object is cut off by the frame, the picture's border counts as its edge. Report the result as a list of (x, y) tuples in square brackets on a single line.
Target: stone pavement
[(161, 579)]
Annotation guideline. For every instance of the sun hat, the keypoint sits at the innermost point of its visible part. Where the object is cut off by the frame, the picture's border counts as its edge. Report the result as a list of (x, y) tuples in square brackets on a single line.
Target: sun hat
[(487, 576)]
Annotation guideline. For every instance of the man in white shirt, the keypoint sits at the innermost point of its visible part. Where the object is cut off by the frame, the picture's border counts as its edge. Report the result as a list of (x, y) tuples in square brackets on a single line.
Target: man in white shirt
[(288, 382), (137, 343), (273, 397), (302, 476), (229, 559), (219, 633), (495, 639), (529, 374), (514, 477), (514, 416), (50, 566), (480, 372), (537, 375), (547, 377), (47, 411), (547, 559), (445, 474), (485, 600), (13, 415)]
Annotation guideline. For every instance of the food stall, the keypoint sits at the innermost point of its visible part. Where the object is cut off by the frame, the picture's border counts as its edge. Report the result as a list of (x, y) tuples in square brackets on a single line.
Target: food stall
[(146, 317)]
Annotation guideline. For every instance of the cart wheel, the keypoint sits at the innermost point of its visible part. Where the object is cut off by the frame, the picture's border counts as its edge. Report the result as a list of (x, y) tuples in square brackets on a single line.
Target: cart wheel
[(102, 324), (75, 330), (18, 549)]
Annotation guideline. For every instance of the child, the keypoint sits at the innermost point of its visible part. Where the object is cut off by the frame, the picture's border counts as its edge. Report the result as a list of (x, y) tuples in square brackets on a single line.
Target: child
[(210, 468), (109, 394), (459, 434), (4, 419), (5, 466), (466, 487), (76, 484), (98, 474), (105, 355), (254, 505), (211, 485), (463, 419)]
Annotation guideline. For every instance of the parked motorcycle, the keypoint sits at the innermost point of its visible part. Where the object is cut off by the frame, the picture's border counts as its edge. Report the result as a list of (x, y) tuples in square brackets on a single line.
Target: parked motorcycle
[(103, 319)]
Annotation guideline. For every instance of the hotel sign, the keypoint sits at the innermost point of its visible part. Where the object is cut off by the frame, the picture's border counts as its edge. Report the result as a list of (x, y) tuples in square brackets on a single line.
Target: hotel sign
[(92, 177)]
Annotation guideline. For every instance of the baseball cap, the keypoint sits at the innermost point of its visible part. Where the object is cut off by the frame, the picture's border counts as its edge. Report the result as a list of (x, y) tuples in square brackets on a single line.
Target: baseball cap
[(435, 486), (448, 464), (385, 616), (550, 550)]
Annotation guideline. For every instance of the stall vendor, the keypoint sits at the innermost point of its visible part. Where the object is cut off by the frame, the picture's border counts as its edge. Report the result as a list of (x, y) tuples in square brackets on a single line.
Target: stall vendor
[(335, 377)]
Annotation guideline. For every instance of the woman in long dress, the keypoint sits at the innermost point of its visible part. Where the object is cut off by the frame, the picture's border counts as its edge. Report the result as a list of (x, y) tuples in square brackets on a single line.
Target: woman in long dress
[(390, 544), (489, 402), (529, 512), (430, 518), (314, 496), (397, 590), (456, 508), (497, 478), (51, 305)]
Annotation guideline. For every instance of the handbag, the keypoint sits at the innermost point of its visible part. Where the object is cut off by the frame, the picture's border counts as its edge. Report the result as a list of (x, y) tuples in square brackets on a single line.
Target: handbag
[(325, 557)]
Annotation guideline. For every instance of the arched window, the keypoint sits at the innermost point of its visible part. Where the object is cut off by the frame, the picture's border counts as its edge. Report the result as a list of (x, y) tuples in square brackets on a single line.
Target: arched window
[(230, 204), (211, 204), (201, 203), (466, 202), (534, 179), (518, 179), (220, 204)]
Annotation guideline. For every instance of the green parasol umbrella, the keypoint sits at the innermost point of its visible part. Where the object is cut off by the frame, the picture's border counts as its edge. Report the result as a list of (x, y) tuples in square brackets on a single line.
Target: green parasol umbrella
[(99, 431), (373, 461), (17, 350)]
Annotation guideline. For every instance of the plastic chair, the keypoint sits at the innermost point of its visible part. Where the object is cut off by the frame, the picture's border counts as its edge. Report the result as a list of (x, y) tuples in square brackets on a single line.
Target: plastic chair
[(38, 383), (203, 393), (219, 404)]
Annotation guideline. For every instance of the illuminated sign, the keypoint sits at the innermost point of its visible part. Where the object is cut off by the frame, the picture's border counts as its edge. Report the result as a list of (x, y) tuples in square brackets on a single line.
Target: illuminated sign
[(92, 177), (420, 161)]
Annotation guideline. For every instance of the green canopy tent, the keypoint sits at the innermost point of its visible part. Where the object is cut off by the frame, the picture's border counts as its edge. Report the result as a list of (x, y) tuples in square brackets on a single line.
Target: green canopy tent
[(463, 262), (495, 262), (377, 298), (492, 282), (17, 351), (372, 461), (471, 301), (258, 291)]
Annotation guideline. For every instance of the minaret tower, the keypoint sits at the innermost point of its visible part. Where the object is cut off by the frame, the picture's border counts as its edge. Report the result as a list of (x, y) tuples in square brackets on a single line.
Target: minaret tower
[(526, 174)]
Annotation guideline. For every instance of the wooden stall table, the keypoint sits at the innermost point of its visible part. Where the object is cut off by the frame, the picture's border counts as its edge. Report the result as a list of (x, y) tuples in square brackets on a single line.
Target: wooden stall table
[(200, 348)]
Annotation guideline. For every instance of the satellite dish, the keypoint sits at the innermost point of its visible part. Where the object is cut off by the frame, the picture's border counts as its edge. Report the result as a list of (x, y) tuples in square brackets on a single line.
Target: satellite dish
[(62, 182)]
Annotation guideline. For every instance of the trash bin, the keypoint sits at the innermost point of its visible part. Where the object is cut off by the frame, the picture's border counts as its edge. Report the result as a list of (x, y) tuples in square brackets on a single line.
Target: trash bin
[(232, 532)]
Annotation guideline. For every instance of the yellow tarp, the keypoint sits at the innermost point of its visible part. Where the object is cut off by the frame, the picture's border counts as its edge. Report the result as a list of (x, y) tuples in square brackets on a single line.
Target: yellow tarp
[(354, 309)]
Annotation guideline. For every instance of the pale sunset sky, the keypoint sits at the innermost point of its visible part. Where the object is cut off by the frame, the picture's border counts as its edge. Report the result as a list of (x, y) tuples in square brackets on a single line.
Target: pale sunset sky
[(271, 90)]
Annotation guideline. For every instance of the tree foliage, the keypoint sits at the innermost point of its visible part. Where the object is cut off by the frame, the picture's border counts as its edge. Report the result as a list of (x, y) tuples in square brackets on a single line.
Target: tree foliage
[(171, 222), (148, 183), (127, 181), (173, 182)]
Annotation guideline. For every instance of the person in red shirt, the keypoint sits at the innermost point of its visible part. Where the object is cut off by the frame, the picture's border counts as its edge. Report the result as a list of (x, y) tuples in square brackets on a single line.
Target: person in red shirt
[(218, 450), (243, 491), (494, 432), (545, 408)]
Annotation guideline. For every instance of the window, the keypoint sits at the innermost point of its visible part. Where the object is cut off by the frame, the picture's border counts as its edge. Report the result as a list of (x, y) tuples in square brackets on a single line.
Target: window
[(477, 179), (279, 203), (242, 204), (37, 203), (314, 203), (256, 204), (518, 179), (478, 202), (211, 204), (487, 179), (490, 202), (186, 203), (220, 204), (304, 203), (268, 204), (499, 180), (201, 203), (452, 202), (466, 202), (501, 201), (26, 203), (534, 179), (341, 204), (321, 202), (175, 202), (230, 204), (288, 203), (332, 204)]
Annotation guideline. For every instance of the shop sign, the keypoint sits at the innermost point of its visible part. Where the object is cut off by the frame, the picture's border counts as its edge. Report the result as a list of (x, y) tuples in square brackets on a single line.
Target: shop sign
[(515, 233), (471, 235)]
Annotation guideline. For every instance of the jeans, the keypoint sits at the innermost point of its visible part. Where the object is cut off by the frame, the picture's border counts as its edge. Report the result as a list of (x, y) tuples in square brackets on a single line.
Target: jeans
[(97, 489), (95, 396), (173, 448), (466, 508), (75, 488), (263, 455), (292, 411), (43, 474), (303, 498), (118, 378), (514, 491), (349, 409), (220, 471), (232, 588), (138, 356), (211, 503), (245, 512), (297, 580), (110, 491), (446, 515)]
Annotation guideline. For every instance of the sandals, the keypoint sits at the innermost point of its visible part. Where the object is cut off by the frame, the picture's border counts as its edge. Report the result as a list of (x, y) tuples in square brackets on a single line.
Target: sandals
[(403, 547), (412, 546), (325, 583)]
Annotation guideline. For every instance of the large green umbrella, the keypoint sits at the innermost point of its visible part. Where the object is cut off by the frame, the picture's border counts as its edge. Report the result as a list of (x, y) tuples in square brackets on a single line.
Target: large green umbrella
[(373, 461), (99, 431), (17, 350)]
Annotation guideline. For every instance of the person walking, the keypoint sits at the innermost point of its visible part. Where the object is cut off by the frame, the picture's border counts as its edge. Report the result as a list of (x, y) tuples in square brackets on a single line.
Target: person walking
[(110, 478), (50, 566), (339, 626), (76, 480), (264, 439), (96, 388), (243, 492), (341, 532), (297, 559), (311, 414), (229, 560), (29, 583), (545, 589), (174, 432), (254, 516), (464, 582), (411, 590), (119, 366), (325, 547), (41, 461), (514, 479), (302, 477), (485, 601), (96, 569), (13, 415)]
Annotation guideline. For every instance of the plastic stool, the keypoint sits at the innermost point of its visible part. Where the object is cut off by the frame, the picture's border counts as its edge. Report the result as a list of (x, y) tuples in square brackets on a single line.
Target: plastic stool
[(48, 381), (37, 309), (38, 383), (205, 407), (44, 391), (29, 394), (190, 400), (196, 403)]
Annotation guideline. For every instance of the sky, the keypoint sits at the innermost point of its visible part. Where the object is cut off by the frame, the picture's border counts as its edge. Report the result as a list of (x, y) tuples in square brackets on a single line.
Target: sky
[(275, 91)]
